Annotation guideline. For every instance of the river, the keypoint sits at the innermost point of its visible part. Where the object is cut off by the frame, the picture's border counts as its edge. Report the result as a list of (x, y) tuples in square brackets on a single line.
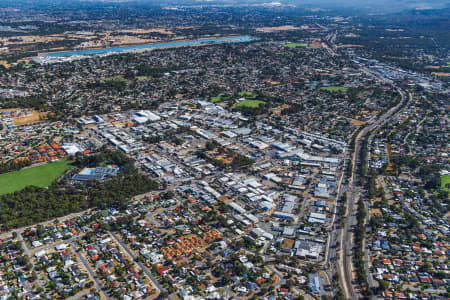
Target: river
[(222, 40)]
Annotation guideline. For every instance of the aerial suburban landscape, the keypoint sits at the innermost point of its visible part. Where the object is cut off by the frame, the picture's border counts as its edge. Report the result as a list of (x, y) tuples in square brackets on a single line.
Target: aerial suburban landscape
[(224, 149)]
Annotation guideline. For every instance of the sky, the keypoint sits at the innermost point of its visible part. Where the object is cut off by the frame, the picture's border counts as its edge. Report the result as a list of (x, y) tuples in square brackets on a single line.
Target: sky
[(387, 5)]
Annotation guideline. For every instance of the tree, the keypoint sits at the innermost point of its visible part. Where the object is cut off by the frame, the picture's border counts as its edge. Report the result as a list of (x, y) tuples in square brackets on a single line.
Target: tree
[(426, 267), (383, 285), (34, 276)]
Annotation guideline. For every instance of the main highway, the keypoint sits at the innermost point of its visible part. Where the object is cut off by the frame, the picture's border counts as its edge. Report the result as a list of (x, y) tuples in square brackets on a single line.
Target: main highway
[(345, 236)]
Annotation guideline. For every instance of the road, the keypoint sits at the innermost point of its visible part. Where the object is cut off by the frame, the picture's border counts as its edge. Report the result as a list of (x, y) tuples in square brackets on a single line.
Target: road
[(60, 220), (387, 193), (345, 268), (307, 194), (418, 126), (305, 295), (154, 281), (79, 295), (98, 284)]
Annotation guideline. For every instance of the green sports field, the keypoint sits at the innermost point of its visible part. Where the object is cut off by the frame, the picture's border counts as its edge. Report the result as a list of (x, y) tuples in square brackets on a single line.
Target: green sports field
[(295, 45), (444, 181), (220, 98), (41, 176), (334, 89), (249, 103)]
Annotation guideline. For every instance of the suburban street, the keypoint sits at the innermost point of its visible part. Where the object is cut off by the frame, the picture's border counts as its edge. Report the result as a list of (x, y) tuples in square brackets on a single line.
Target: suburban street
[(146, 271)]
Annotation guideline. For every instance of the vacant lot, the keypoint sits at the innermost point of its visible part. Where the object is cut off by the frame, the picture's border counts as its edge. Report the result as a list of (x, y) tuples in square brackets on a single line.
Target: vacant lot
[(441, 74), (275, 29), (5, 64), (35, 117), (357, 123), (41, 176)]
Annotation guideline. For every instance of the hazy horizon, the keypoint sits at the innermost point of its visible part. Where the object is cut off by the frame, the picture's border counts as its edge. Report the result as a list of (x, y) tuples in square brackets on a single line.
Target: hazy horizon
[(379, 5)]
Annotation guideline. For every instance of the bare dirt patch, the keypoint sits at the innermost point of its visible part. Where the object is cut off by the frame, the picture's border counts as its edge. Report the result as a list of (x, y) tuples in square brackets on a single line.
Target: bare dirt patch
[(35, 117), (5, 64), (441, 74), (110, 41), (357, 123), (375, 212), (316, 44), (143, 31), (30, 39), (350, 46), (271, 82), (275, 29)]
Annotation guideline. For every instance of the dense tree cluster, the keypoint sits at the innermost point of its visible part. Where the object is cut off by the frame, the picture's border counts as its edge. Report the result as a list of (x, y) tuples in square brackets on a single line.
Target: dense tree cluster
[(358, 253), (34, 102), (405, 160), (33, 204), (105, 156), (118, 84), (13, 166), (241, 161), (152, 71)]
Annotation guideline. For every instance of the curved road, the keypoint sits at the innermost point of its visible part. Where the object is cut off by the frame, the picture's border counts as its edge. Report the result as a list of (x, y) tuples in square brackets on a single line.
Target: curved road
[(346, 238)]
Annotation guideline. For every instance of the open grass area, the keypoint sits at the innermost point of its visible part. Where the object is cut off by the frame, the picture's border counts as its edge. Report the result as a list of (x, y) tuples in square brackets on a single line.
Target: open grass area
[(216, 99), (364, 93), (444, 181), (41, 176), (114, 78), (250, 99), (295, 45), (247, 94), (141, 78), (334, 89), (220, 98), (250, 103)]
